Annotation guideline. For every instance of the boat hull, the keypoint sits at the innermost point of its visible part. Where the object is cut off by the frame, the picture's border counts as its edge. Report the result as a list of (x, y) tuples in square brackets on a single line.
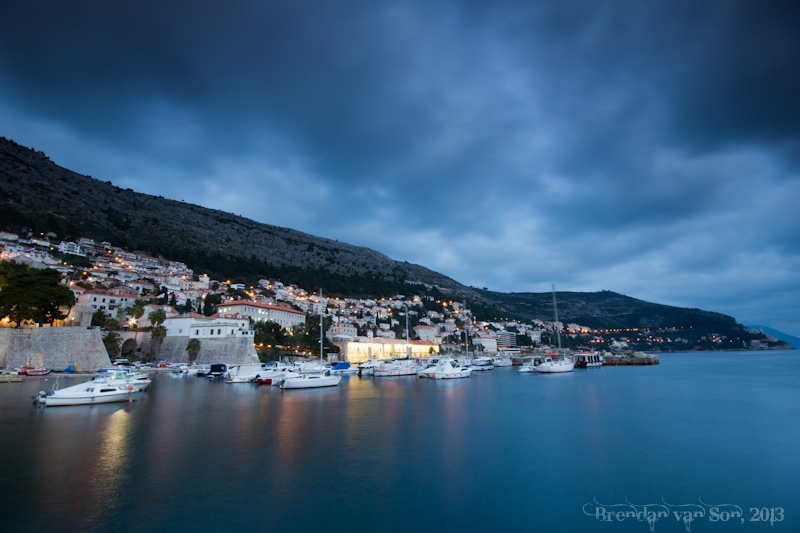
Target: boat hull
[(311, 382)]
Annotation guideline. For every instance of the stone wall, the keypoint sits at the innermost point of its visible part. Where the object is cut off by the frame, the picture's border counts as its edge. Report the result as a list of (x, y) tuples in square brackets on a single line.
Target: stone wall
[(230, 350), (54, 348)]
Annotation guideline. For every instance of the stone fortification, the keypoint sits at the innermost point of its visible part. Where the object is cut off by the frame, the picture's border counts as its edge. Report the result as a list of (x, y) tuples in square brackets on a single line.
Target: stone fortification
[(231, 350), (54, 348)]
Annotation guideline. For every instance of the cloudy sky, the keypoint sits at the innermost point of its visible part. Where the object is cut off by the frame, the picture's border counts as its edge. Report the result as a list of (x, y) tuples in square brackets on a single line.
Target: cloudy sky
[(648, 148)]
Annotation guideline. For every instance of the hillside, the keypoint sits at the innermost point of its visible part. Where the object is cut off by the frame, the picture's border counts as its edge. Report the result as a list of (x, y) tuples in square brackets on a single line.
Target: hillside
[(36, 195)]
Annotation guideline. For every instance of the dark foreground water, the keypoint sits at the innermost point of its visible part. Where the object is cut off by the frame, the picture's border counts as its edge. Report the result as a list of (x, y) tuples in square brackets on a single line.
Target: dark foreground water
[(702, 442)]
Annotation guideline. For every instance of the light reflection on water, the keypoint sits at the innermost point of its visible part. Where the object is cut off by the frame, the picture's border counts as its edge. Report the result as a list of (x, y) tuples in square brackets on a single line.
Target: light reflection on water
[(502, 450)]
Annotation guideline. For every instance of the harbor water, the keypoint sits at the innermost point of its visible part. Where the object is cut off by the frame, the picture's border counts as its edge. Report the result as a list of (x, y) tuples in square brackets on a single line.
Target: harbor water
[(701, 442)]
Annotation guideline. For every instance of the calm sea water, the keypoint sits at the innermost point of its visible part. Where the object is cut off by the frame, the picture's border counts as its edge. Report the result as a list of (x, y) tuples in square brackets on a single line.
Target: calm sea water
[(499, 451)]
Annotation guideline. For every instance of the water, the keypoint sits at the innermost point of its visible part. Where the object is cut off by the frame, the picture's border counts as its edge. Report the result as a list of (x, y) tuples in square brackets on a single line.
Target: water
[(500, 450)]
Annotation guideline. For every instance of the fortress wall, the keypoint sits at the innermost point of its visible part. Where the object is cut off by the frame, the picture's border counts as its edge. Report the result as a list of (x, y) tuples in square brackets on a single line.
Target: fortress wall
[(230, 350), (54, 348)]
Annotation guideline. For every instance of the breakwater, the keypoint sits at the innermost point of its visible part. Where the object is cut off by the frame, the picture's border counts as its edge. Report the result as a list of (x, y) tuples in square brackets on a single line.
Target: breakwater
[(55, 348), (630, 361)]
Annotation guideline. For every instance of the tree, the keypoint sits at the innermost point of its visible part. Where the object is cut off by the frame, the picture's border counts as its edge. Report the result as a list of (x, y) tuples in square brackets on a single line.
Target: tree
[(157, 335), (193, 348), (112, 324), (32, 294), (99, 318), (112, 341), (269, 332), (157, 317), (210, 304), (137, 309)]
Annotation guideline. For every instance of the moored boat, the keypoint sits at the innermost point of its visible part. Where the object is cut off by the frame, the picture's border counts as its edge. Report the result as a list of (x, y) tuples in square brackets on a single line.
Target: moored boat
[(588, 360), (396, 368), (31, 371), (139, 381), (88, 393), (449, 368), (312, 380)]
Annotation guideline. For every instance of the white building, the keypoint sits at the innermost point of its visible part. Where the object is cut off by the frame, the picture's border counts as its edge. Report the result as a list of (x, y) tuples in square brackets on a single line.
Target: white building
[(286, 317), (214, 327)]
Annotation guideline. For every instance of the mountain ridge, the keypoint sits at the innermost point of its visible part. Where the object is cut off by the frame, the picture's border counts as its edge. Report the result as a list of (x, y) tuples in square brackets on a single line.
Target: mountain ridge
[(37, 194)]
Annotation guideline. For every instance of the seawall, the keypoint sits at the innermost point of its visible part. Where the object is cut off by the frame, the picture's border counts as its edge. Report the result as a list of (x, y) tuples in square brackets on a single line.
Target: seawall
[(54, 348)]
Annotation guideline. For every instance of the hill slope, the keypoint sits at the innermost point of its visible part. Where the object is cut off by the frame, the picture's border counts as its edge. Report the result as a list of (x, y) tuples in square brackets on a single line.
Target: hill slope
[(38, 195)]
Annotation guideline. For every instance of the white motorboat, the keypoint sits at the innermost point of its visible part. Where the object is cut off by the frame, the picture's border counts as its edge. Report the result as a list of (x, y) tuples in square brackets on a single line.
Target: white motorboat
[(138, 380), (482, 364), (367, 367), (396, 368), (555, 366), (273, 375), (530, 366), (502, 360), (312, 380), (449, 368), (428, 368), (246, 373), (87, 393)]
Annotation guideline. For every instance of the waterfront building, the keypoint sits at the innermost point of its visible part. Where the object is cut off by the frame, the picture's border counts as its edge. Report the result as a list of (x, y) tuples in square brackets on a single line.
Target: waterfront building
[(285, 316)]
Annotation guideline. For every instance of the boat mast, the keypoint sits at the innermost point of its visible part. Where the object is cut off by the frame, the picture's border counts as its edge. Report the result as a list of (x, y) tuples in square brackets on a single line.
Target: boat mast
[(321, 325), (555, 309), (408, 347)]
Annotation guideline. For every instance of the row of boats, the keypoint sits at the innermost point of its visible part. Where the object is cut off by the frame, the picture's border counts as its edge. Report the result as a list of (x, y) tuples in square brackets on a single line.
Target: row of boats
[(121, 385)]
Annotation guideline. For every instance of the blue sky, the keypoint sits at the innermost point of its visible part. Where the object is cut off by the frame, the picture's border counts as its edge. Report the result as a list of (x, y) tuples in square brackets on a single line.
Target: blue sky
[(648, 148)]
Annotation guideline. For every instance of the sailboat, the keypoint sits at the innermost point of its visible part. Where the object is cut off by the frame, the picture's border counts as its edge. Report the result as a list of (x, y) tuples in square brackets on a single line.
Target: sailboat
[(550, 365), (315, 378)]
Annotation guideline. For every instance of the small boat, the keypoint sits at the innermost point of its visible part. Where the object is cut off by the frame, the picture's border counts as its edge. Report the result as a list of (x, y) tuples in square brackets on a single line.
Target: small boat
[(139, 380), (555, 366), (428, 367), (343, 368), (87, 393), (274, 374), (449, 368), (531, 365), (396, 368), (588, 360), (217, 370), (243, 373), (502, 360), (312, 380), (314, 374), (31, 371), (482, 364), (367, 368)]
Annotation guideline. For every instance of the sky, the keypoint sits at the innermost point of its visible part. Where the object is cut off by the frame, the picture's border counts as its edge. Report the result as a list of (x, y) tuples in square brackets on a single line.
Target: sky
[(646, 148)]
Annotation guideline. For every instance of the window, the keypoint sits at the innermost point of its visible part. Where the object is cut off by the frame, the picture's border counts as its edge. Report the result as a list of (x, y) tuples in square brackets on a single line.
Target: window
[(197, 332)]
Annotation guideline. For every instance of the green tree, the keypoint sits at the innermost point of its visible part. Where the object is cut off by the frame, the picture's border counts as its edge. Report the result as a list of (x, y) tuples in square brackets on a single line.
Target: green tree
[(99, 318), (112, 324), (157, 317), (137, 309), (269, 332), (31, 294), (210, 304), (112, 341), (193, 348), (157, 335)]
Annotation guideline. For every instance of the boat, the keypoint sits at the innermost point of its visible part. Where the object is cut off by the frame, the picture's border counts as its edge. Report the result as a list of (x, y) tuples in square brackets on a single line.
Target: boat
[(217, 370), (87, 393), (401, 367), (139, 380), (367, 367), (247, 373), (449, 368), (343, 368), (531, 365), (588, 360), (314, 375), (557, 363), (274, 374), (31, 371), (555, 366), (428, 367), (482, 364), (312, 380), (502, 360)]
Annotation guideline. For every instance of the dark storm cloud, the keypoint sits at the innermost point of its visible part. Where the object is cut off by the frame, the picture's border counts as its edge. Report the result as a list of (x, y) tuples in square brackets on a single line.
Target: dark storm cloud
[(658, 139)]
